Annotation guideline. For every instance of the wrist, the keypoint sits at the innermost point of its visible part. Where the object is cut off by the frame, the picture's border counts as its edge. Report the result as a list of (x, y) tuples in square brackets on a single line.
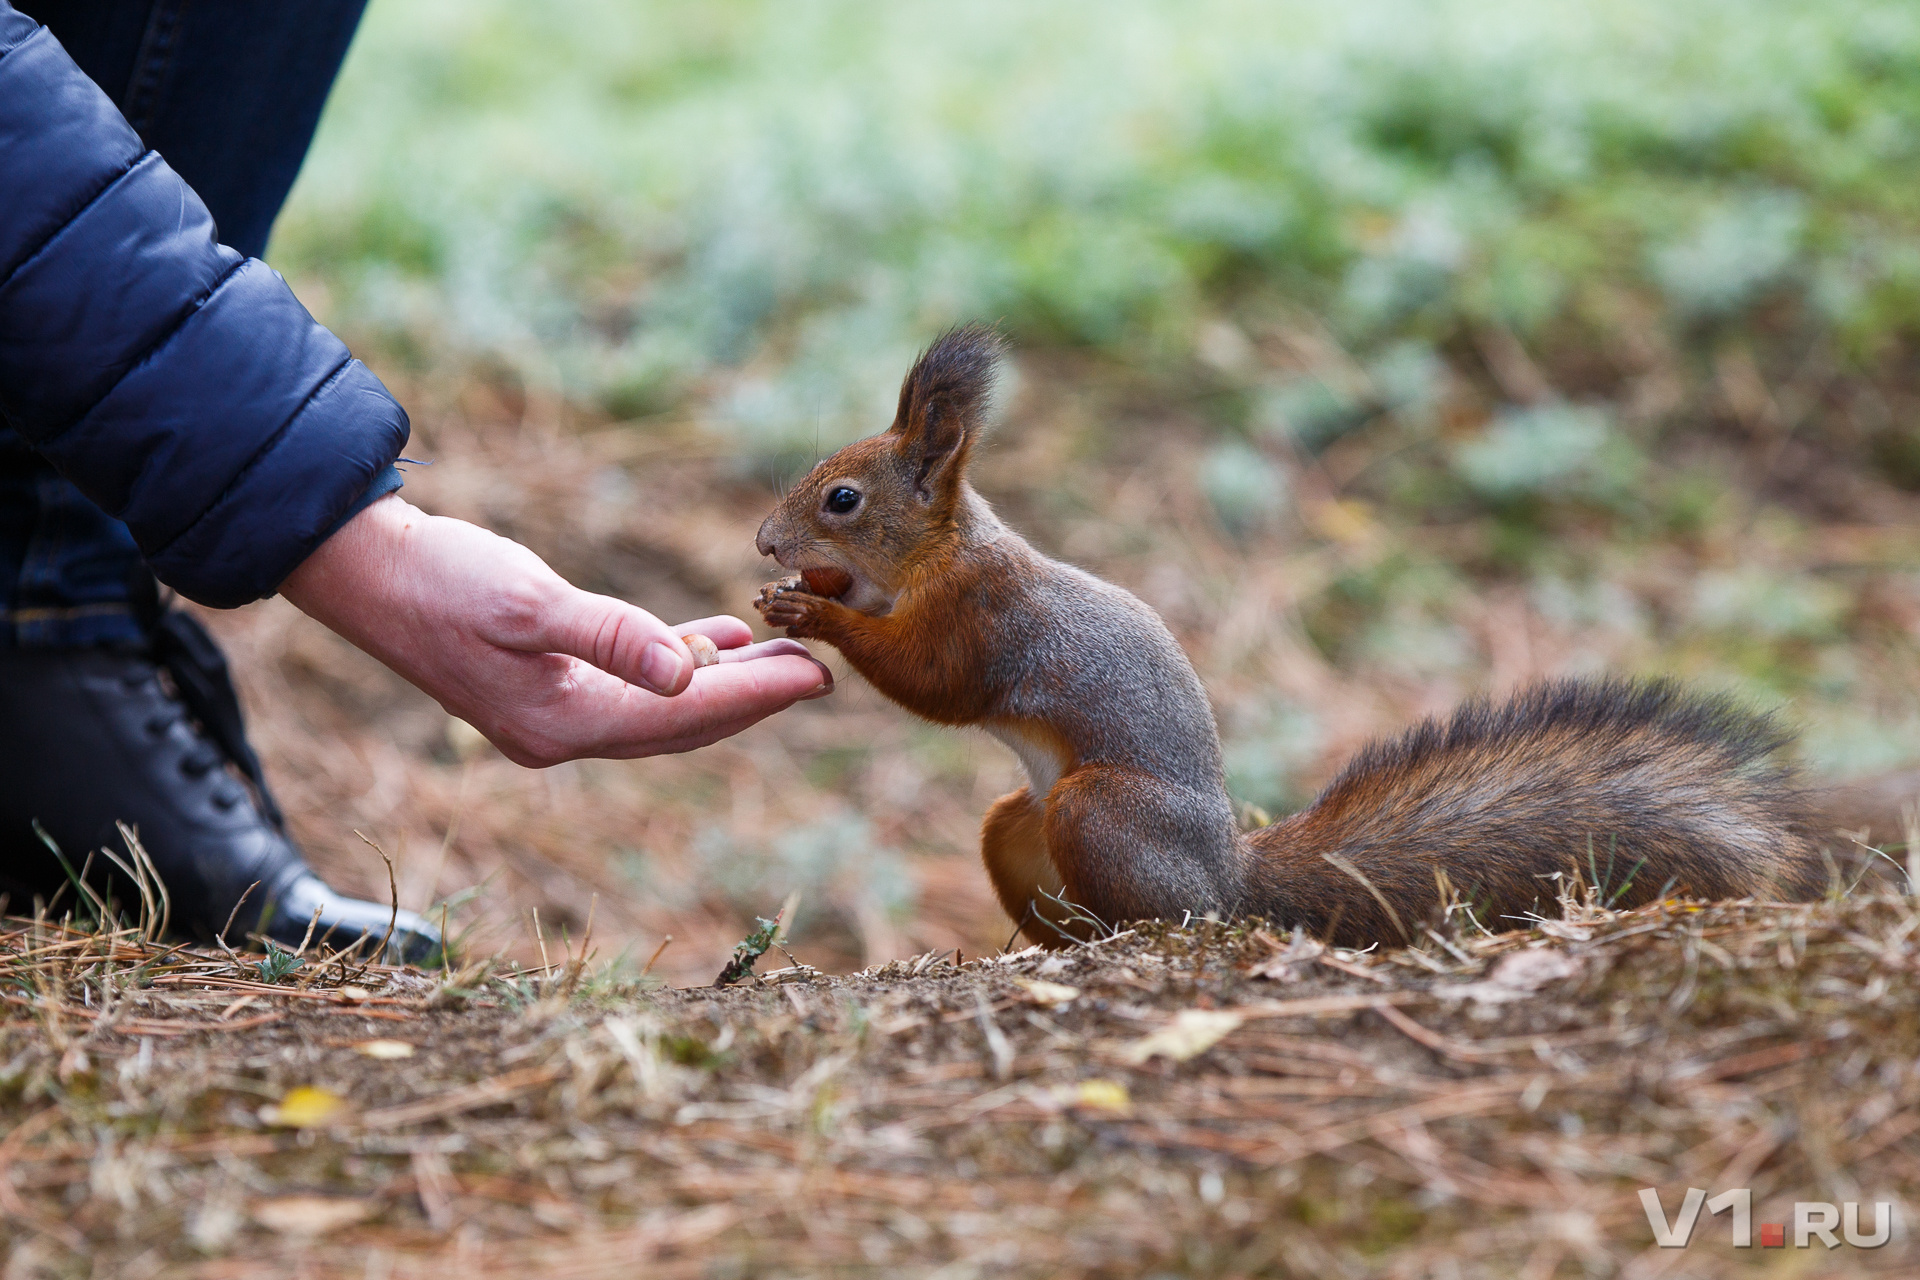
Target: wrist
[(358, 556)]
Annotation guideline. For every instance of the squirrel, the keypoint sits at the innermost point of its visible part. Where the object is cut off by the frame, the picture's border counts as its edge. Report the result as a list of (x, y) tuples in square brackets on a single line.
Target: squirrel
[(905, 569)]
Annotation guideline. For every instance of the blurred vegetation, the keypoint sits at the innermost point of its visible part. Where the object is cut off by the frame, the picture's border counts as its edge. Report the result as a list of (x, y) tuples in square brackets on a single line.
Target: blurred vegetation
[(1601, 312), (773, 204)]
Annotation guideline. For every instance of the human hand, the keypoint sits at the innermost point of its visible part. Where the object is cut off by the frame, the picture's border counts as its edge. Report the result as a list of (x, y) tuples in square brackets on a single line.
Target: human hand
[(546, 671)]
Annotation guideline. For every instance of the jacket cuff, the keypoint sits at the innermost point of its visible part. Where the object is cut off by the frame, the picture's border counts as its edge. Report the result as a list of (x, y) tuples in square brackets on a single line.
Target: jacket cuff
[(388, 481), (291, 495)]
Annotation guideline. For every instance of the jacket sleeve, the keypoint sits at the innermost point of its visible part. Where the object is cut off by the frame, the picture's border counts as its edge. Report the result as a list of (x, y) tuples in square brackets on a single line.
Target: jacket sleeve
[(180, 386)]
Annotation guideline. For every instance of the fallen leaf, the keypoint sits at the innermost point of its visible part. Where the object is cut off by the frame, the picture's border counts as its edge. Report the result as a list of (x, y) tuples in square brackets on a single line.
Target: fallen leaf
[(354, 993), (1349, 521), (1530, 970), (309, 1215), (305, 1107), (1290, 960), (1047, 993), (1098, 1095), (1518, 975), (384, 1048), (1192, 1032)]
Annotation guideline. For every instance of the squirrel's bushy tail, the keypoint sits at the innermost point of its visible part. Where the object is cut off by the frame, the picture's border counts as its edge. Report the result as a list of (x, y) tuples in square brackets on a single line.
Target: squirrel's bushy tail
[(1639, 788)]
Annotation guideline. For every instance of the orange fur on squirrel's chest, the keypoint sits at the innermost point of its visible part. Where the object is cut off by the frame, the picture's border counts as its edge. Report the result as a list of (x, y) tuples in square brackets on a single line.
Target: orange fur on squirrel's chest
[(930, 653)]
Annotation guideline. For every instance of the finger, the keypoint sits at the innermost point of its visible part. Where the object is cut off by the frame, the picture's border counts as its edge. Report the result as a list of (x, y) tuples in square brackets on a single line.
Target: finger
[(618, 721), (620, 639), (780, 648), (725, 630), (765, 649)]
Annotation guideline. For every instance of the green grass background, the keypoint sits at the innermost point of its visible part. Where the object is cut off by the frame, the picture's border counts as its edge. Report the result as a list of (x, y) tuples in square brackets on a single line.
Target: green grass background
[(635, 200), (752, 214)]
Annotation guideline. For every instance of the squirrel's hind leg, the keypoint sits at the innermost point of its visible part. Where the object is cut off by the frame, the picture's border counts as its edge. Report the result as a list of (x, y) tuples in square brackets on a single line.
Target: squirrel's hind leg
[(1013, 844), (1132, 846)]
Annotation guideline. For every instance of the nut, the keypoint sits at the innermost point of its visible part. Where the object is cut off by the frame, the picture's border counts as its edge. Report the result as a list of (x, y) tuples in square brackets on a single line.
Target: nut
[(829, 581), (705, 651)]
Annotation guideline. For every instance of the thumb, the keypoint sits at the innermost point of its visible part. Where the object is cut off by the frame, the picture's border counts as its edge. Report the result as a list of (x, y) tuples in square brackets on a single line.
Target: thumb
[(618, 638)]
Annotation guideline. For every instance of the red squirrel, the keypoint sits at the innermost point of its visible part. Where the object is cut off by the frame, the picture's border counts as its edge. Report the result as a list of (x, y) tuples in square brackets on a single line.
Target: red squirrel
[(906, 570)]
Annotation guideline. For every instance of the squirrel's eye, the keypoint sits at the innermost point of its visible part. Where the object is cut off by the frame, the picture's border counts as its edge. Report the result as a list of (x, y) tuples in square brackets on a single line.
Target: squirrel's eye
[(842, 500)]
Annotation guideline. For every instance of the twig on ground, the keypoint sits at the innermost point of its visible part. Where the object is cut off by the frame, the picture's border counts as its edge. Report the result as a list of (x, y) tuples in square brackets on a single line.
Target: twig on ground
[(221, 937), (654, 958), (393, 891)]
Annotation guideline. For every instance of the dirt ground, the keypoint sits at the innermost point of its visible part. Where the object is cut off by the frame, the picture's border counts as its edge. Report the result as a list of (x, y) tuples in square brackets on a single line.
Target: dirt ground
[(1191, 1100)]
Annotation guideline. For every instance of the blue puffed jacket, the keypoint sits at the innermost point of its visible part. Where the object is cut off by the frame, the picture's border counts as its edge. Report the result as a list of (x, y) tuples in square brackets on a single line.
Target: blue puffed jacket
[(178, 385)]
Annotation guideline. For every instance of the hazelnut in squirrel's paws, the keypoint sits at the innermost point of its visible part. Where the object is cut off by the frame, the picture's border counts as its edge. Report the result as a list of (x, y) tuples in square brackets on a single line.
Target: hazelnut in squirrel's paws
[(788, 604), (954, 616), (772, 591), (827, 583)]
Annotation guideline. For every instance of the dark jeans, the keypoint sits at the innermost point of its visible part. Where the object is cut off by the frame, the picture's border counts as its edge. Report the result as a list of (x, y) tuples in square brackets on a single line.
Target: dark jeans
[(229, 93)]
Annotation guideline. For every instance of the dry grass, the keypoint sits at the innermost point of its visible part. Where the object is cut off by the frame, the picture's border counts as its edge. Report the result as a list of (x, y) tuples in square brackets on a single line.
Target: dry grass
[(1481, 1105)]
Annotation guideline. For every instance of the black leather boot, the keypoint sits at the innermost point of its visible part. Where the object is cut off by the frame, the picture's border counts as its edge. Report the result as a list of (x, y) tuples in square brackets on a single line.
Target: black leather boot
[(89, 737)]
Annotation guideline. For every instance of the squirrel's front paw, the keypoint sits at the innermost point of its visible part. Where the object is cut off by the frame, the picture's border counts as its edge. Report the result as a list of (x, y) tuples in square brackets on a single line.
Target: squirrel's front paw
[(792, 582), (787, 603)]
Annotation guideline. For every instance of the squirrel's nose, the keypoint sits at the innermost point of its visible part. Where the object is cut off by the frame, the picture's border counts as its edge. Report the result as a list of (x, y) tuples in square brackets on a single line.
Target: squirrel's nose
[(764, 543)]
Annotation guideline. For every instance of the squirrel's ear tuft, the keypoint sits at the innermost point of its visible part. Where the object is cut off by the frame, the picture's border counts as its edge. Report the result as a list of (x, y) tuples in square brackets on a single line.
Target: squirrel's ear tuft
[(943, 401)]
